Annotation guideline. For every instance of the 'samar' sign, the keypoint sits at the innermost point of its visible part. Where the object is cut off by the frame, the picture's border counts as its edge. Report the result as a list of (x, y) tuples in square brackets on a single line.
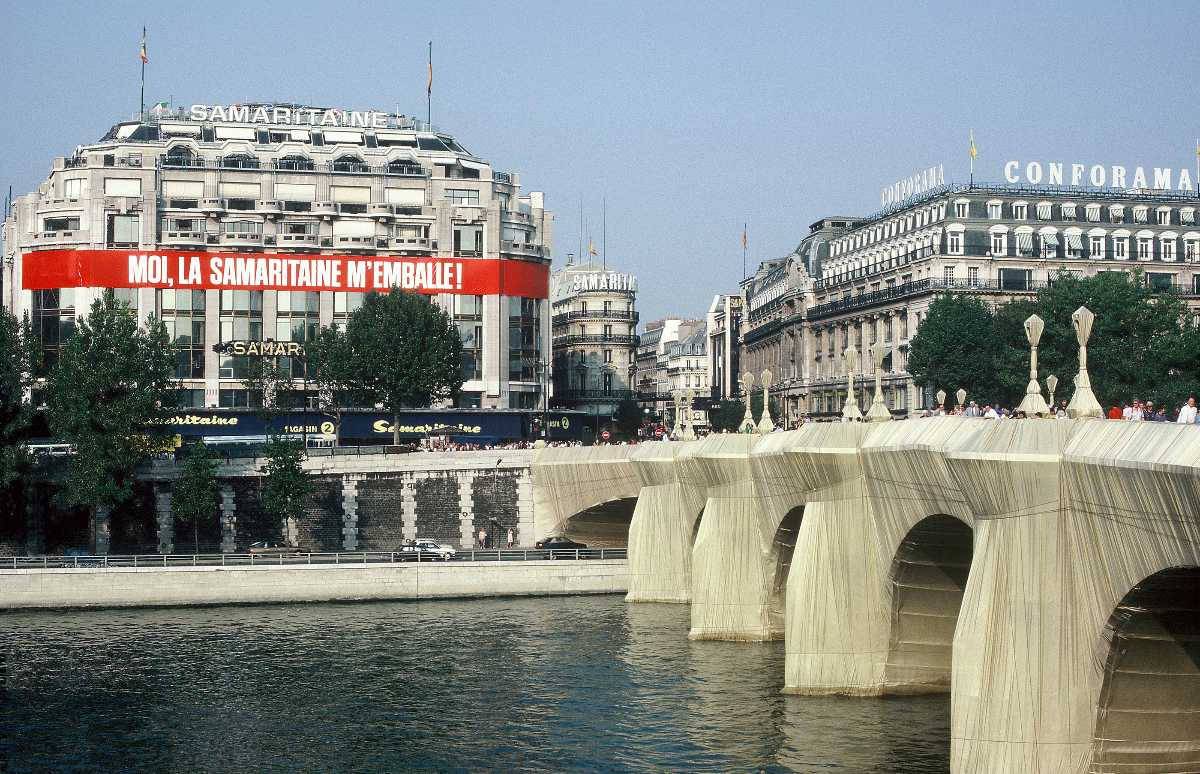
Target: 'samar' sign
[(49, 269), (260, 348)]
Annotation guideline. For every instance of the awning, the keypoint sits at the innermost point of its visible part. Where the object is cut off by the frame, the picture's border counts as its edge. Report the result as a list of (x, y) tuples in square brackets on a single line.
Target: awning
[(234, 133), (343, 136), (180, 129)]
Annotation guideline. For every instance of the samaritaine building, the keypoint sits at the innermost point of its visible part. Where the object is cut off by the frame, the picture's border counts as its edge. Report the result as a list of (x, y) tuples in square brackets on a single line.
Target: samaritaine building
[(874, 278), (594, 326), (261, 222)]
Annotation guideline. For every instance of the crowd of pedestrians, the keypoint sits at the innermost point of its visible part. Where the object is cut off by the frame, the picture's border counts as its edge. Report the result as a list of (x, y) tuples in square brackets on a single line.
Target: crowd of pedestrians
[(1134, 411)]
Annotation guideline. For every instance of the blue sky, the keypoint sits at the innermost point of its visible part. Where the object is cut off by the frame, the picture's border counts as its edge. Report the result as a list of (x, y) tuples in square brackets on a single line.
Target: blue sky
[(690, 118)]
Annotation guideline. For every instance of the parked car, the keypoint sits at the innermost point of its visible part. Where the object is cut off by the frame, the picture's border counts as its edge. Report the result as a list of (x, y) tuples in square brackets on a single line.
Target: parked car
[(425, 550), (558, 543), (267, 548)]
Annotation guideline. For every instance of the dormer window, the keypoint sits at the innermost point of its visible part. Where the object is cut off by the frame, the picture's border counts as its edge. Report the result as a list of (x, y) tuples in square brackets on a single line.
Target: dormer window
[(349, 164), (239, 161), (181, 156), (295, 163), (405, 167)]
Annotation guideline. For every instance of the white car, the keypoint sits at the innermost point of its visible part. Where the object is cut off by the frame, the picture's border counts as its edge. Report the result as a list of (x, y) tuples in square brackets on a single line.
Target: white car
[(426, 550)]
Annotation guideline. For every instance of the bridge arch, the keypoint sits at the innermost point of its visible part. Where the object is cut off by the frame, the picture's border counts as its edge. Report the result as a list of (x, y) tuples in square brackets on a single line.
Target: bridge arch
[(1148, 713), (783, 547), (927, 579), (604, 525)]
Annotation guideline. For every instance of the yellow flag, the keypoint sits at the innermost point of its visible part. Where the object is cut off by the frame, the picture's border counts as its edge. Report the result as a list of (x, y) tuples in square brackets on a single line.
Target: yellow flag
[(972, 151), (592, 248)]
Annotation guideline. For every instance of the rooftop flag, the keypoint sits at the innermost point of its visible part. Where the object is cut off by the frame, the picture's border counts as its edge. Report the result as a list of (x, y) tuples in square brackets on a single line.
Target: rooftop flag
[(142, 51)]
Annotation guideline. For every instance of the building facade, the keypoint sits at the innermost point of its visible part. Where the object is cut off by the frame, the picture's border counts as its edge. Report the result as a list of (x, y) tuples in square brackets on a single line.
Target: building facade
[(687, 369), (251, 223), (594, 324), (878, 276), (652, 375), (723, 324)]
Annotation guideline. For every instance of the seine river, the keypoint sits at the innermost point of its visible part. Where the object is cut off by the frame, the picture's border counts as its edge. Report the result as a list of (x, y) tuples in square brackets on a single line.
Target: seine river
[(548, 684)]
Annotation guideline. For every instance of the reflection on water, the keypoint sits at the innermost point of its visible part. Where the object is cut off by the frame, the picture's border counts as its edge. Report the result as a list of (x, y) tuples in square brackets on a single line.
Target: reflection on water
[(581, 683)]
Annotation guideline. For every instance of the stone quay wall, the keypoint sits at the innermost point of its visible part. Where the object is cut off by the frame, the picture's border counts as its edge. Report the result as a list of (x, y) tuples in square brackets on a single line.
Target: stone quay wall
[(369, 502), (177, 586)]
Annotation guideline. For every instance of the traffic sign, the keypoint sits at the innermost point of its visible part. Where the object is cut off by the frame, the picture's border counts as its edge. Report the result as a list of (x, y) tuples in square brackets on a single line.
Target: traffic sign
[(659, 432), (605, 435)]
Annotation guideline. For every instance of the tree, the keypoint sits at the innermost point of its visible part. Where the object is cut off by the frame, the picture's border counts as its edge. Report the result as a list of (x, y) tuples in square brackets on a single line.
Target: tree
[(628, 418), (331, 371), (756, 405), (726, 415), (18, 361), (954, 347), (266, 378), (286, 486), (194, 496), (405, 352), (109, 396)]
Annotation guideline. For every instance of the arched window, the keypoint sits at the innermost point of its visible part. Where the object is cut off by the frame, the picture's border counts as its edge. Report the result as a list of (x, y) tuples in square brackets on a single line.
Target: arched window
[(239, 161), (349, 164), (405, 167), (181, 156), (295, 163)]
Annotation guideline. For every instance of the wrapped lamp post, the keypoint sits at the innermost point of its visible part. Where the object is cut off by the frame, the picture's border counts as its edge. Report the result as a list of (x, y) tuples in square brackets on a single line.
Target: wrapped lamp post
[(1033, 404), (677, 427), (940, 397), (747, 425), (689, 426), (1051, 386), (850, 409), (962, 397), (879, 410), (765, 424), (1083, 402)]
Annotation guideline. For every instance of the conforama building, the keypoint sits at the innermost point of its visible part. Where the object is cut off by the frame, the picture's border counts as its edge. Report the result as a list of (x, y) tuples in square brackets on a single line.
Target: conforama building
[(261, 222)]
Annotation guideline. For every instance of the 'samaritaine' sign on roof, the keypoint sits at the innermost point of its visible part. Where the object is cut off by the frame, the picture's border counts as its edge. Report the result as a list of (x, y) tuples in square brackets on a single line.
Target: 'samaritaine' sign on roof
[(278, 114)]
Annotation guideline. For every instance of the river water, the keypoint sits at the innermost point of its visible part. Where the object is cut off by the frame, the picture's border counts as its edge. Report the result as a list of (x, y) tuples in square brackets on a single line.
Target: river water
[(547, 684)]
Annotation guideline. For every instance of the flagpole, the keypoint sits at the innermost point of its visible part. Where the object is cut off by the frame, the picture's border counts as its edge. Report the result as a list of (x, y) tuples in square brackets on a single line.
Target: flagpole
[(604, 232), (743, 251), (143, 58), (429, 92), (580, 253)]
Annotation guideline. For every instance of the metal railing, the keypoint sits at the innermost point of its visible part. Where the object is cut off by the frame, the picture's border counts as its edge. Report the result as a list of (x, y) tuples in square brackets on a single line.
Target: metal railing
[(349, 558), (591, 314), (595, 338)]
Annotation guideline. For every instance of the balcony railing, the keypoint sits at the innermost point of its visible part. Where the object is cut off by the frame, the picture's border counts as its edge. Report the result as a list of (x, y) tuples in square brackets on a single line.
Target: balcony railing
[(597, 314), (289, 165), (595, 338), (567, 396)]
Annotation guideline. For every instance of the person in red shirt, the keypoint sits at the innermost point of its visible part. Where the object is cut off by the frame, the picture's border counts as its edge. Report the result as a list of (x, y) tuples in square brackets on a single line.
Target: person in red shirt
[(1114, 412)]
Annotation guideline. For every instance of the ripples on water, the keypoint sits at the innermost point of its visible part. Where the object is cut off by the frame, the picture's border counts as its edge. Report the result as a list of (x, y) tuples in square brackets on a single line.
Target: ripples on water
[(581, 683)]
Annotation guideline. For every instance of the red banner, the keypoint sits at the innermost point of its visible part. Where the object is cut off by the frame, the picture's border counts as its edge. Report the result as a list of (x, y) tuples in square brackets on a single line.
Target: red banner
[(49, 269)]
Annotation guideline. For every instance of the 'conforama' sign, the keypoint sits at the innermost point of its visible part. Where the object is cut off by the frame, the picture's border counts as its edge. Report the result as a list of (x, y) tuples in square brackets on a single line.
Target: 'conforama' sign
[(49, 269)]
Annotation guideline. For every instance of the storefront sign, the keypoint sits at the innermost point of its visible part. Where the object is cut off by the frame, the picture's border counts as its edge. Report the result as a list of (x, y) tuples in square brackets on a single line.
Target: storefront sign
[(260, 348), (50, 269), (603, 281), (1098, 176), (299, 116), (913, 185)]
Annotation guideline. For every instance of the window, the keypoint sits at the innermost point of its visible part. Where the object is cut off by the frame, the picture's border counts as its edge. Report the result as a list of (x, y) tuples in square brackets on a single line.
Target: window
[(1093, 213), (467, 197), (1191, 249), (117, 186), (345, 303), (1016, 279), (240, 320), (972, 277), (297, 319), (349, 164), (295, 163), (1068, 211), (298, 228), (1116, 213), (250, 227), (1163, 216), (1050, 245), (53, 321), (73, 188), (468, 240), (1141, 214), (994, 209), (124, 230), (1160, 281), (948, 275), (61, 224), (240, 398), (1120, 247), (1020, 211), (1145, 249), (239, 161), (1187, 216), (1096, 247), (1045, 210), (608, 356), (999, 244), (1025, 243), (1167, 248), (1074, 245), (962, 209), (182, 313), (954, 242)]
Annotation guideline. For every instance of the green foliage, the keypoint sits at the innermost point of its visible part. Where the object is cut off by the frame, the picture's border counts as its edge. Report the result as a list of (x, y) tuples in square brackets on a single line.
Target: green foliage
[(1142, 343), (627, 419), (109, 395), (756, 406), (286, 486), (273, 385), (405, 351), (726, 415), (18, 360), (331, 372), (194, 496)]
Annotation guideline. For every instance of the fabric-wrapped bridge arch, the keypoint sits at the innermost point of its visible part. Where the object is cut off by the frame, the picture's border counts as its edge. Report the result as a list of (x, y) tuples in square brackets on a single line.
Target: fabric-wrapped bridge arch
[(1034, 568)]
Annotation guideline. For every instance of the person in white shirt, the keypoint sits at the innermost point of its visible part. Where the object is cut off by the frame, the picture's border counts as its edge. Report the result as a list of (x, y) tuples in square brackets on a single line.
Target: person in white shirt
[(991, 413), (1127, 412), (1187, 414)]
